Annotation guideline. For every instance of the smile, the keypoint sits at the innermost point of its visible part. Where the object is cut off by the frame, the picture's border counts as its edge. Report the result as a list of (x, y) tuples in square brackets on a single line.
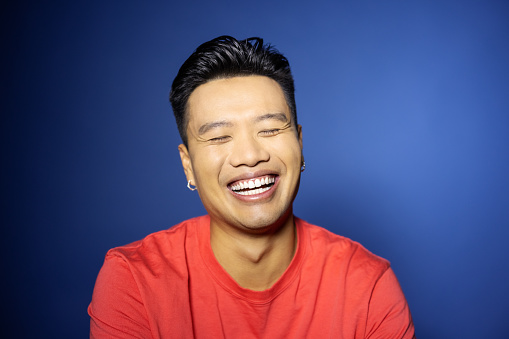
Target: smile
[(253, 186)]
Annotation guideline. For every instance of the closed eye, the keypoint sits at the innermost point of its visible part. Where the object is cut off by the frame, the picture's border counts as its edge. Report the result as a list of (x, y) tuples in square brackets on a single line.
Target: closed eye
[(270, 132), (220, 140)]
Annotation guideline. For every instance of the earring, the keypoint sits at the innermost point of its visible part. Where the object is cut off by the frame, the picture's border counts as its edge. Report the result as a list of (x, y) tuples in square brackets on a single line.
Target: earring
[(189, 186), (303, 166)]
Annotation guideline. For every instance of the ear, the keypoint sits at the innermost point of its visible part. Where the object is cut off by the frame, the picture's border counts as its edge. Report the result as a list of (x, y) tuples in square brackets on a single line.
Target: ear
[(299, 135), (186, 163)]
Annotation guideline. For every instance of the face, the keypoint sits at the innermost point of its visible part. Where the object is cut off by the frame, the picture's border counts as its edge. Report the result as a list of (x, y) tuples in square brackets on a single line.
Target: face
[(244, 152)]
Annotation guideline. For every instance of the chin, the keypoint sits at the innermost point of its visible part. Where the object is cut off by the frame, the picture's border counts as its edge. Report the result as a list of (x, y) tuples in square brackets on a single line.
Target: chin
[(262, 223)]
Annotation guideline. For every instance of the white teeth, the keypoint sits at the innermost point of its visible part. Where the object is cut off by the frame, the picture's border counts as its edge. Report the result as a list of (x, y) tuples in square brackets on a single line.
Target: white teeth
[(253, 192), (252, 184)]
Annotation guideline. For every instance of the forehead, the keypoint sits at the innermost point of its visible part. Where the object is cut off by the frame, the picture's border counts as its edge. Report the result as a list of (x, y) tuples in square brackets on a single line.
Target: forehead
[(237, 97)]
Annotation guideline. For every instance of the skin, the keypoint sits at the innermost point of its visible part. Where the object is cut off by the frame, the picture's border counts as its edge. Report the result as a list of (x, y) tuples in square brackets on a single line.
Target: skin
[(241, 128)]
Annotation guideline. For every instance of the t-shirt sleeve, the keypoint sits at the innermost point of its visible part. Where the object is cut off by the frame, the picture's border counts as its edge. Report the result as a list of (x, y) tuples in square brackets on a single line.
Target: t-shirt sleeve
[(117, 309), (388, 314)]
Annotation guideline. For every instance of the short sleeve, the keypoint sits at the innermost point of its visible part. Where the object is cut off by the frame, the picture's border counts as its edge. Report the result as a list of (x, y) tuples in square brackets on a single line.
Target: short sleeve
[(117, 309), (389, 315)]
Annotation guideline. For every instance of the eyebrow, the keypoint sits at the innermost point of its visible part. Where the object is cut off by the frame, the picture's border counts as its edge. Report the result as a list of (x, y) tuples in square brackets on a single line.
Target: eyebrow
[(224, 123), (211, 125), (276, 116)]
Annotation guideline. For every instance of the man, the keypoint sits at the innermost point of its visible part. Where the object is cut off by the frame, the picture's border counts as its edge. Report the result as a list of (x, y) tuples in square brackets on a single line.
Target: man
[(250, 268)]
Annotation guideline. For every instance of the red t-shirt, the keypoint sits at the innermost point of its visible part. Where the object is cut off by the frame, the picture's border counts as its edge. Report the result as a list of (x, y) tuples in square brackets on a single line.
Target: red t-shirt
[(169, 285)]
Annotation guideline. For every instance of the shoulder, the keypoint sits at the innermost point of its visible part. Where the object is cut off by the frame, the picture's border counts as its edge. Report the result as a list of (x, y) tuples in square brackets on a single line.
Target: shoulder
[(135, 277), (342, 251), (161, 243), (134, 267)]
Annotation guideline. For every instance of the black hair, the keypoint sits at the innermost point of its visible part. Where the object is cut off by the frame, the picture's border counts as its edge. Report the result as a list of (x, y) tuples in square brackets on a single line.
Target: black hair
[(226, 57)]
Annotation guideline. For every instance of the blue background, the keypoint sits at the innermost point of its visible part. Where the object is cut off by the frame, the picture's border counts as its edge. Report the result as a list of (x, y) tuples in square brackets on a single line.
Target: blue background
[(404, 107)]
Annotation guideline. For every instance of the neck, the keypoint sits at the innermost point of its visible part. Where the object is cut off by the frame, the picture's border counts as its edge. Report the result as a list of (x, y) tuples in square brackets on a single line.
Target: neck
[(254, 261)]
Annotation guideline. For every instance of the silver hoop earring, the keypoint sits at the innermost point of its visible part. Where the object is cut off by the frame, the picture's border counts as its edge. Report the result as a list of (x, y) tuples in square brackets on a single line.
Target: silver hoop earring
[(303, 166), (189, 186)]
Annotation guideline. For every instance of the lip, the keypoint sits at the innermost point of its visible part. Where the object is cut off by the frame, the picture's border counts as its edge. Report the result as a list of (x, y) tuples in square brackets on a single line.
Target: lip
[(251, 175)]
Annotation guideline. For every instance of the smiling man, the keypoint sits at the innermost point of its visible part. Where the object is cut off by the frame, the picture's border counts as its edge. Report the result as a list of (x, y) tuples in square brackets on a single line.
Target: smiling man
[(249, 268)]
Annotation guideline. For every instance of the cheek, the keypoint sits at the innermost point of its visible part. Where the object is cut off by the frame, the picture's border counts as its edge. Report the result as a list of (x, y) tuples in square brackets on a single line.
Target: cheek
[(207, 164), (289, 152)]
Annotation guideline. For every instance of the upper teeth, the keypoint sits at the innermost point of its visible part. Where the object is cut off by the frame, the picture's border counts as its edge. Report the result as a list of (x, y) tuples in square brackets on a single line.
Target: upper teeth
[(253, 183)]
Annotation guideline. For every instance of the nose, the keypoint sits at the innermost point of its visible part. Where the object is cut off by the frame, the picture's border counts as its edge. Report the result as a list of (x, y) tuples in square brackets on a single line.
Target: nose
[(248, 151)]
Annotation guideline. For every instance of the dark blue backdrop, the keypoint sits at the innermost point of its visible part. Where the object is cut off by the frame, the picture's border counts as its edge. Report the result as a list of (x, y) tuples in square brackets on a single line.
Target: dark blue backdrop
[(405, 114)]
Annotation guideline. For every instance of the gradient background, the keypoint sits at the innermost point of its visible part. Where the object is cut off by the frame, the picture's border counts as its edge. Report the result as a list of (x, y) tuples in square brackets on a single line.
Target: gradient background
[(405, 114)]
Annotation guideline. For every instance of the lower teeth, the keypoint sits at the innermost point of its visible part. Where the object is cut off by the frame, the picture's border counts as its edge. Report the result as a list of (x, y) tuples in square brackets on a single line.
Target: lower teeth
[(253, 191)]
